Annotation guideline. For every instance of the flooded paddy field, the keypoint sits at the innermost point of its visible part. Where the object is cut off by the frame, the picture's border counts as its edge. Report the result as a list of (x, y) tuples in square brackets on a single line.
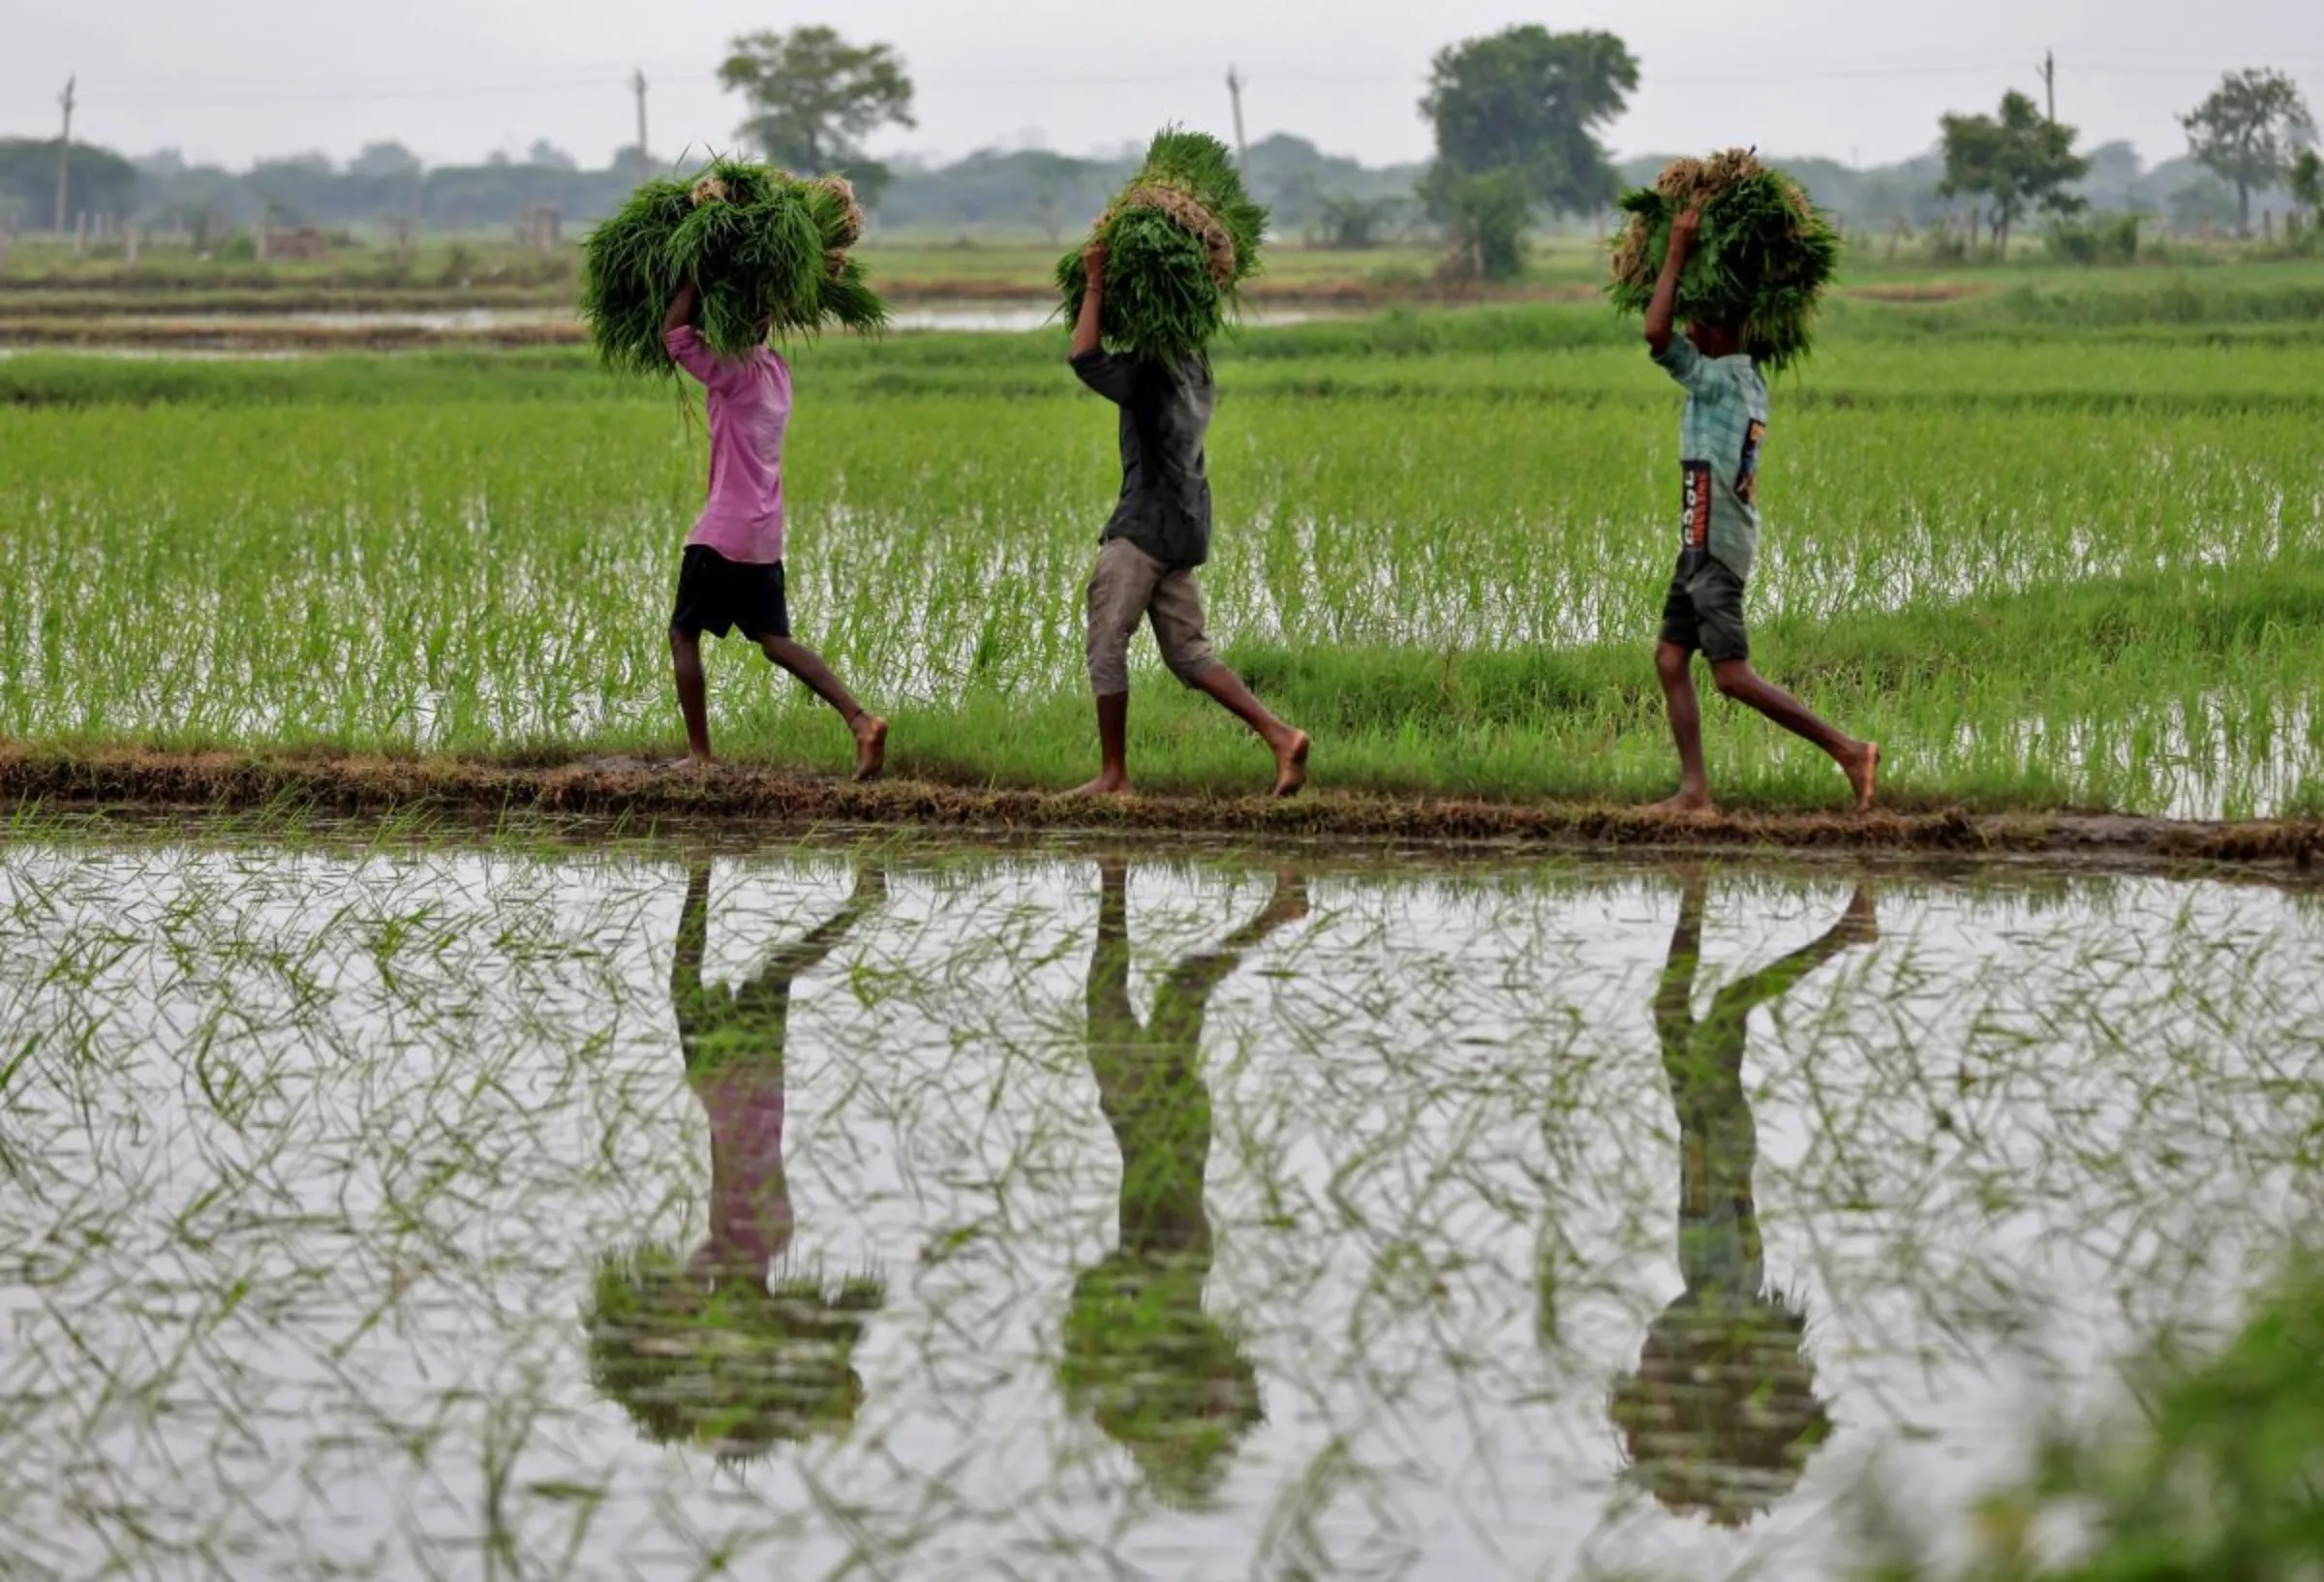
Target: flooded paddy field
[(668, 1209)]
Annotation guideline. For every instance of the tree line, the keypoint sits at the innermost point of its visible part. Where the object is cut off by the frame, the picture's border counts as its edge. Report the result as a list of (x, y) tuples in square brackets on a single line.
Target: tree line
[(1518, 118)]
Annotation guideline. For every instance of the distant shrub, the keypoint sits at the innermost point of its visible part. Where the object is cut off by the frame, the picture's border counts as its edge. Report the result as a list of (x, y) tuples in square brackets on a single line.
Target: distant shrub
[(2095, 243)]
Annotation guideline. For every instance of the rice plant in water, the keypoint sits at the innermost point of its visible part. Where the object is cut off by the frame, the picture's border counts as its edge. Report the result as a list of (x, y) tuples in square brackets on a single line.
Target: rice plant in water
[(1764, 256), (1181, 239)]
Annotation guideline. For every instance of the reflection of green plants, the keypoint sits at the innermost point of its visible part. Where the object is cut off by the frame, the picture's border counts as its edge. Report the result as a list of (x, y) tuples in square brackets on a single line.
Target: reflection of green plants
[(1722, 1415), (1160, 1376), (736, 1366), (2221, 1482)]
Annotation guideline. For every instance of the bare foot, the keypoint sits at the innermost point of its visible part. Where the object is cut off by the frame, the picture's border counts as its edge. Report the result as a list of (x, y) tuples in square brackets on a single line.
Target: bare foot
[(693, 763), (1105, 785), (1686, 804), (1290, 765), (1864, 774), (871, 747)]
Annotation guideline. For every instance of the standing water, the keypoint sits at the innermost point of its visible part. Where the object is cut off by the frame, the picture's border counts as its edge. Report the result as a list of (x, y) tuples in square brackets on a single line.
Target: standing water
[(651, 1212)]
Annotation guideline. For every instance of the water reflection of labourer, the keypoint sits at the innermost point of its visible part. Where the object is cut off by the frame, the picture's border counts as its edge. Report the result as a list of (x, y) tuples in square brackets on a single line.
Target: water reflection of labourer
[(1162, 1378), (706, 1351), (1721, 1415)]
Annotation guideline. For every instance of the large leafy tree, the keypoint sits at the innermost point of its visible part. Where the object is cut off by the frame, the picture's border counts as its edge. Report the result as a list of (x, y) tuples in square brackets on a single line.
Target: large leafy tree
[(814, 96), (2247, 132), (1529, 102), (2012, 162)]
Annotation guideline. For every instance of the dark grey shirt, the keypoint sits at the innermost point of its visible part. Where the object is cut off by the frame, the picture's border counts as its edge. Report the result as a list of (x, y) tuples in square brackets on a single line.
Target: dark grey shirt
[(1164, 506)]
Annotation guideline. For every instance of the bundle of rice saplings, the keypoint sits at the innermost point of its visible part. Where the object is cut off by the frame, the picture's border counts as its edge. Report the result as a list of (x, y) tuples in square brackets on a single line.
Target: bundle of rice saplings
[(765, 247), (1181, 239), (1764, 255)]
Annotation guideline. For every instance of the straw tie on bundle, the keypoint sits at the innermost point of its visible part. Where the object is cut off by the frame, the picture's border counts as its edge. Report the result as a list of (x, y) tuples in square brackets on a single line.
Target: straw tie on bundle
[(1191, 217)]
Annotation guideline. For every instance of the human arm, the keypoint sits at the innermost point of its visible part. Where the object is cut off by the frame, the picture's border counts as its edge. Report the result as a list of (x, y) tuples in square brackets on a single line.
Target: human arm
[(1662, 314), (1860, 925), (1086, 335), (682, 309), (681, 340), (789, 962), (1111, 377)]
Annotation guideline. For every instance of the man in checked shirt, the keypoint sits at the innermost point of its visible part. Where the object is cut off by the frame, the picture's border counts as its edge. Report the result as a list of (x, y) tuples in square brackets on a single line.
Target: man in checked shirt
[(1720, 437)]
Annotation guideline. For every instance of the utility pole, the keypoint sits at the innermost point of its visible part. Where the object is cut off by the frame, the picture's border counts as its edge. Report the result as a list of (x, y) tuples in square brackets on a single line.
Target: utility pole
[(2049, 81), (637, 86), (1242, 152), (64, 153)]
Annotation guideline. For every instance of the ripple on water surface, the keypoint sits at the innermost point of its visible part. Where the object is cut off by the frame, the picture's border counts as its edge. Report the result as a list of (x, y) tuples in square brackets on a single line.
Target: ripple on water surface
[(959, 1213)]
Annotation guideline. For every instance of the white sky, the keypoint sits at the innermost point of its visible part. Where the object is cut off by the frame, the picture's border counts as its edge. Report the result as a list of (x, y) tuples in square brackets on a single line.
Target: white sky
[(230, 80)]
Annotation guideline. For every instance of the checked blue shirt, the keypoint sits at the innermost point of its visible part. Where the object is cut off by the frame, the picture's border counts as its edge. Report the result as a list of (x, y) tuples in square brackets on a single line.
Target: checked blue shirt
[(1719, 443)]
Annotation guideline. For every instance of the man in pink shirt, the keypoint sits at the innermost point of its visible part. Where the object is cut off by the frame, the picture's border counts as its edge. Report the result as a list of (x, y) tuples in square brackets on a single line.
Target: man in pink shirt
[(731, 577)]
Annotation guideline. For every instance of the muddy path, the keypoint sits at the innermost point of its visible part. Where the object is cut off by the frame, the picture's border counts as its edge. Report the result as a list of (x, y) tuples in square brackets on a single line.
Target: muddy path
[(631, 788)]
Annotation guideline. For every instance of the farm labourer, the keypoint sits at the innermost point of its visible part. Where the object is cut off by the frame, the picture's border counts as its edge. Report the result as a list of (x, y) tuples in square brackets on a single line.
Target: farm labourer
[(731, 578), (1721, 1415), (702, 1350), (1160, 533), (1159, 1373), (1720, 438)]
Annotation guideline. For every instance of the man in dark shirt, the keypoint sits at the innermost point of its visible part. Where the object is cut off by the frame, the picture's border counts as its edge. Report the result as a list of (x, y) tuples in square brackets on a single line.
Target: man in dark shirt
[(1160, 533)]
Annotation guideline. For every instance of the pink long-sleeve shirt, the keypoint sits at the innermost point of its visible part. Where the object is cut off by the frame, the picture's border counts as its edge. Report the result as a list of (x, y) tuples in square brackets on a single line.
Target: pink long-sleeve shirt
[(750, 403)]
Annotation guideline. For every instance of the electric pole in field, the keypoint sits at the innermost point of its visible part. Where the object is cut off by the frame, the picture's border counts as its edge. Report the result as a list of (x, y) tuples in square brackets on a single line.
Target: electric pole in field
[(2049, 81), (1242, 152), (637, 86), (64, 153)]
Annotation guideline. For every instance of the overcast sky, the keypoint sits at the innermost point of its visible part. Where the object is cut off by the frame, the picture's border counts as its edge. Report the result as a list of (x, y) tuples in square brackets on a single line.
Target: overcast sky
[(229, 80)]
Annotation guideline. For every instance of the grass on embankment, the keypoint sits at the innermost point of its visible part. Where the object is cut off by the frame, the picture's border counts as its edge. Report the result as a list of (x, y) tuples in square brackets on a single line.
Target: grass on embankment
[(2066, 572), (2008, 686)]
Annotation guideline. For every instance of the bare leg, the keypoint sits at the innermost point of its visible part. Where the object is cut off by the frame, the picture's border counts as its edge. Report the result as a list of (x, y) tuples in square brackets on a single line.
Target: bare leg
[(1860, 761), (1113, 747), (1289, 746), (686, 658), (870, 730), (1675, 666)]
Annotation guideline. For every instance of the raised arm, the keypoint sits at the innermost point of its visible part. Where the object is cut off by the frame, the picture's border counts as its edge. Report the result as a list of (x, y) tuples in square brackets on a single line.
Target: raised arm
[(788, 961), (1860, 925), (1662, 314), (1186, 995), (1086, 336), (682, 309)]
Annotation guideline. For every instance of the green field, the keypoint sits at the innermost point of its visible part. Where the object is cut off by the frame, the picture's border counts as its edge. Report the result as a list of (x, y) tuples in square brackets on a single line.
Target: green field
[(2056, 545)]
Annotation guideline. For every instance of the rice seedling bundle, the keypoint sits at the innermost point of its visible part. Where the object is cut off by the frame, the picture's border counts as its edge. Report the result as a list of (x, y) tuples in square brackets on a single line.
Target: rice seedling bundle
[(765, 247), (1181, 239), (1764, 255)]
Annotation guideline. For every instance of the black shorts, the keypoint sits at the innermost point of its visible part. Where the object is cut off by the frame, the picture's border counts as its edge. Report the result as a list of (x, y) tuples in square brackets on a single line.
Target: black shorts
[(718, 595), (1703, 610)]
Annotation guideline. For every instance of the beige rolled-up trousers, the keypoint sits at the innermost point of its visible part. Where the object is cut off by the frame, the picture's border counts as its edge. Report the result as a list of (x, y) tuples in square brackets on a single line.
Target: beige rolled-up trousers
[(1129, 586)]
